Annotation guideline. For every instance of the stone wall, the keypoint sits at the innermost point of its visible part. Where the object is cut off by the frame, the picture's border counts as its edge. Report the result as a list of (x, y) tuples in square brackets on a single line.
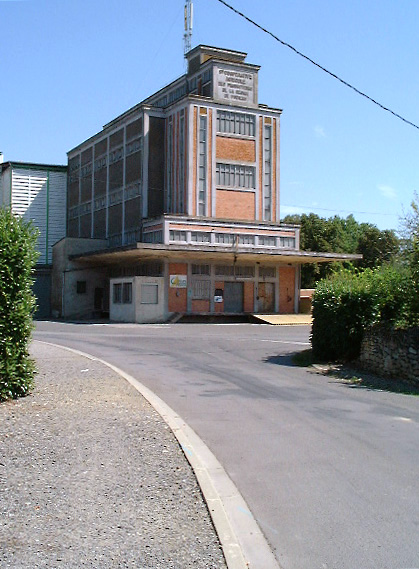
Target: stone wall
[(391, 353)]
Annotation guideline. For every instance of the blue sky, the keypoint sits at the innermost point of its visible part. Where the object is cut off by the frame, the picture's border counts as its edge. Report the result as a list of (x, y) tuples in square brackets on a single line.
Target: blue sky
[(69, 67)]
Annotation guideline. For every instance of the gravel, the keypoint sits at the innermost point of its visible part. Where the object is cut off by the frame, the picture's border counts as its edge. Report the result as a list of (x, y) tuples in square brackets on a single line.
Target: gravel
[(91, 476)]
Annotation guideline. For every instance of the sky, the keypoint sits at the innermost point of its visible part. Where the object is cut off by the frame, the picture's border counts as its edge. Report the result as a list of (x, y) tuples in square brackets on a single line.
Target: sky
[(70, 66)]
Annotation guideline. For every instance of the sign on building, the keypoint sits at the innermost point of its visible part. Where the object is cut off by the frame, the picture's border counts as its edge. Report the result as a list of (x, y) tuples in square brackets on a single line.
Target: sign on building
[(235, 86), (178, 281)]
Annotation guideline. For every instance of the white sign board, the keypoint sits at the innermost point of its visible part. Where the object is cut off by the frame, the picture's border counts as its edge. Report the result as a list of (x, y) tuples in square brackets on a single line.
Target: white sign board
[(235, 86), (178, 281)]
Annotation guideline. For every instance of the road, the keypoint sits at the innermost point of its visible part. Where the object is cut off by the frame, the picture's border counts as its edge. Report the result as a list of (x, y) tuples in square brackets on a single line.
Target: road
[(329, 471)]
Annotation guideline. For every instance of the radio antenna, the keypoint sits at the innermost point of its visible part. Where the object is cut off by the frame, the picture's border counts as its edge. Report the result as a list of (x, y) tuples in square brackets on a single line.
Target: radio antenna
[(187, 36)]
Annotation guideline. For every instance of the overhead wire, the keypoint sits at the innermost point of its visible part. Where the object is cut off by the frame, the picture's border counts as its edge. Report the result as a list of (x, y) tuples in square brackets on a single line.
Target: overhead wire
[(361, 93)]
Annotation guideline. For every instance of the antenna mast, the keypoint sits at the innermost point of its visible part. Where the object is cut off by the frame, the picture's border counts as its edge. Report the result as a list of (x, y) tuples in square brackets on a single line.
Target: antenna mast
[(187, 36)]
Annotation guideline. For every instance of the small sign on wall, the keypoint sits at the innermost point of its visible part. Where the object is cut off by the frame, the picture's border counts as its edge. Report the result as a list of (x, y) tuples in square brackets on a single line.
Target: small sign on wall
[(178, 281)]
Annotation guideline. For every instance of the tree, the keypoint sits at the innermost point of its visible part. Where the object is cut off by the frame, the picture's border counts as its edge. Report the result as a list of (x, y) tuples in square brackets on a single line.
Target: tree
[(17, 258), (341, 235)]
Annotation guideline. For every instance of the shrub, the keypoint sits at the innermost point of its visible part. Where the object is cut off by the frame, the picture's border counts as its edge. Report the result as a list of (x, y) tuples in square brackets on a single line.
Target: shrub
[(17, 304), (347, 303)]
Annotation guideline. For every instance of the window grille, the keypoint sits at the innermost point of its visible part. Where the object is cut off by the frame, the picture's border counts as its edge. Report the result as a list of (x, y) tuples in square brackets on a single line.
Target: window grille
[(177, 235), (287, 242), (202, 170), (200, 269), (236, 123), (244, 271), (226, 238), (267, 272), (235, 176), (246, 239), (201, 289), (267, 181), (81, 287), (267, 240), (200, 237)]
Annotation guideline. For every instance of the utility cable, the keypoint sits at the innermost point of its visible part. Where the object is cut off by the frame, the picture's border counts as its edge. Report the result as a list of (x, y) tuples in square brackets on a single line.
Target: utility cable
[(317, 64)]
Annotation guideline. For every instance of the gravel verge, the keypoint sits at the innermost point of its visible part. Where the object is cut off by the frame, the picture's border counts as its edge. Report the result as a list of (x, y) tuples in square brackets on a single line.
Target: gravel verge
[(91, 476)]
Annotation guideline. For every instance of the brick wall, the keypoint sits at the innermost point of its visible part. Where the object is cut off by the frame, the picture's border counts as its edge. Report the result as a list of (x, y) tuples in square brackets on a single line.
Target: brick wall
[(286, 290), (235, 149), (235, 204), (248, 301), (177, 296), (391, 353)]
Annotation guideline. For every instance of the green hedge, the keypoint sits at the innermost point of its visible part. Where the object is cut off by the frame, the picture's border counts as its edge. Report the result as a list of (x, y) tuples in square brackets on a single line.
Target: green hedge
[(17, 304), (347, 303)]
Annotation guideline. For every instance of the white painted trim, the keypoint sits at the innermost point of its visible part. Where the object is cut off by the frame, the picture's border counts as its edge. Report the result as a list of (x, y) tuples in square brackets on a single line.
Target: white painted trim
[(190, 149), (278, 171)]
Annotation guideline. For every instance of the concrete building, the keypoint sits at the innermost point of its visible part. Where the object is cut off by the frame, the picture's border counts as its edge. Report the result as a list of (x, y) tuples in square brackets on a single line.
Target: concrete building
[(37, 192), (174, 206)]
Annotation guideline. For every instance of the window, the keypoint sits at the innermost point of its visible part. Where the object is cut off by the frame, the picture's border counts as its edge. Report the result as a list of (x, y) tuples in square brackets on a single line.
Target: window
[(81, 287), (224, 270), (226, 238), (202, 169), (287, 242), (169, 197), (200, 237), (177, 235), (267, 272), (117, 293), (127, 293), (267, 241), (246, 271), (181, 161), (236, 123), (235, 176), (267, 179), (246, 239), (122, 293), (201, 289), (200, 269), (149, 294), (153, 237)]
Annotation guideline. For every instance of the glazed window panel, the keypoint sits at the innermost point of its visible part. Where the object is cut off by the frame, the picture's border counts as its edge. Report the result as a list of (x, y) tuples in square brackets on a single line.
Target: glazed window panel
[(229, 122), (126, 293), (177, 235), (235, 176)]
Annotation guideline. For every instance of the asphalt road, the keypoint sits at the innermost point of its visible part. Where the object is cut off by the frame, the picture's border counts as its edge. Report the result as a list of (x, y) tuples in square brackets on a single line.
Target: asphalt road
[(330, 472)]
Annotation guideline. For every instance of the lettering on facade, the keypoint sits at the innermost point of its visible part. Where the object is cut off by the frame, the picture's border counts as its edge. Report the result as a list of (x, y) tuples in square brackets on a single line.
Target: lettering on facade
[(178, 281), (234, 86)]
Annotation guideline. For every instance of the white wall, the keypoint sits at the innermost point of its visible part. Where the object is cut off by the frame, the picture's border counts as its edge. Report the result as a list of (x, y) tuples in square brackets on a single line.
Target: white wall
[(138, 311)]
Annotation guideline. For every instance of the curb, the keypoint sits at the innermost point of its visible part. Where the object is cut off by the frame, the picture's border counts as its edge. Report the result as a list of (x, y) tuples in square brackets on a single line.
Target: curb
[(244, 545)]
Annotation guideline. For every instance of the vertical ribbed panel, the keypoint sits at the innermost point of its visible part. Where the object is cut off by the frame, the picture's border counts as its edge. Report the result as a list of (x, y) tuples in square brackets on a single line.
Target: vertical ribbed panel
[(56, 209), (37, 194), (29, 199), (5, 188)]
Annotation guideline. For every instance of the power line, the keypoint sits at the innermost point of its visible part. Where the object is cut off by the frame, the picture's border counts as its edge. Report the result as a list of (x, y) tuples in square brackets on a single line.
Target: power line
[(317, 64), (338, 210)]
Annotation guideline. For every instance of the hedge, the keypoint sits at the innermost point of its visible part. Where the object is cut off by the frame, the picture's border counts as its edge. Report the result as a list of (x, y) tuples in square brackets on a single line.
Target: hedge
[(17, 304), (346, 304)]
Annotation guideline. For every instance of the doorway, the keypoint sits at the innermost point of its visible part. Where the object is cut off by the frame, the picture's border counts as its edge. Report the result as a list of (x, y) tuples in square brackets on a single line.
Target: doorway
[(233, 297), (266, 297)]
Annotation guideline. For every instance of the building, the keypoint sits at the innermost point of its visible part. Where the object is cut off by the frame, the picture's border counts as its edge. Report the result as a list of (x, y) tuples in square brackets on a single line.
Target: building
[(37, 192), (173, 207)]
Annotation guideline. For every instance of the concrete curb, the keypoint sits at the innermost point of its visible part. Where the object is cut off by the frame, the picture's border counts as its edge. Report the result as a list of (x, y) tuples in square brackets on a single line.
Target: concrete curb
[(242, 541)]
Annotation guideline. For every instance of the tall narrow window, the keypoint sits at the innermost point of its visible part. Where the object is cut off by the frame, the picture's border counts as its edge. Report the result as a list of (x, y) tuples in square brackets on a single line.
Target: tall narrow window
[(169, 184), (202, 181), (181, 186), (267, 181)]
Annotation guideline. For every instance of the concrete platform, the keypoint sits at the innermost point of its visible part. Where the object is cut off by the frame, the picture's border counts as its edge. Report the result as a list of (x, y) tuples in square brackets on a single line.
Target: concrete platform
[(285, 319)]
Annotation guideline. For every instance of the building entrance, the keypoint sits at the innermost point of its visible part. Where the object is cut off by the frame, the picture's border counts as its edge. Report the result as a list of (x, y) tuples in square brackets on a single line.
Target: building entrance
[(233, 297), (266, 297)]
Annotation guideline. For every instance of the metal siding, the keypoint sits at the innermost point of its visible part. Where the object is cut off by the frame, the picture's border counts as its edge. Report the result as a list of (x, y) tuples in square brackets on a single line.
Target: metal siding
[(29, 200), (57, 209)]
